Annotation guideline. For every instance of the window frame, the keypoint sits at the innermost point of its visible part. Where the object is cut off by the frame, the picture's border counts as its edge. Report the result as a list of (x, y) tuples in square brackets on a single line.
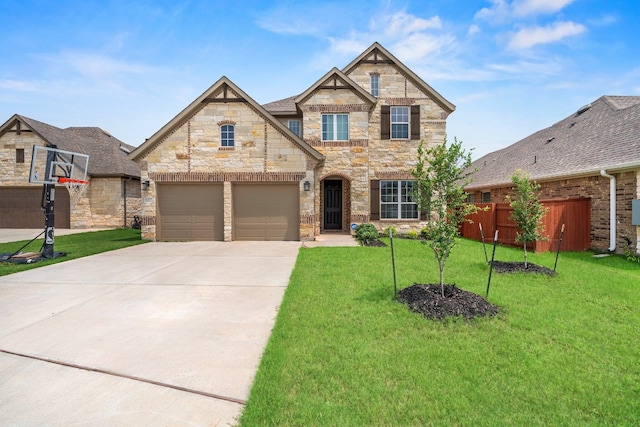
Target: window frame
[(335, 132), (395, 123), (225, 140), (486, 197), (299, 125), (374, 84), (19, 155), (401, 196)]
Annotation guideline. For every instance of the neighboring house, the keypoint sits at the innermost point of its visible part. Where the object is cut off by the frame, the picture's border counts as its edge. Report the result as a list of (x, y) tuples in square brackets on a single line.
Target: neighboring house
[(585, 155), (113, 195), (341, 152)]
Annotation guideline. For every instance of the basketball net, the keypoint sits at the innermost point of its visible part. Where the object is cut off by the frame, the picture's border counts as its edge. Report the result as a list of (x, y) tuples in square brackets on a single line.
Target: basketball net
[(76, 188)]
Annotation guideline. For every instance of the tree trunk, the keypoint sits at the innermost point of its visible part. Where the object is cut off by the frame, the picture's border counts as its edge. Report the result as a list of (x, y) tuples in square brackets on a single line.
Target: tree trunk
[(526, 265), (441, 266)]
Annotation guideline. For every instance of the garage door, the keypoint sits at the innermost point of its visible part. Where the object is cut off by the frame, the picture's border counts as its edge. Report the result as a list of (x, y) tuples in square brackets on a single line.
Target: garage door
[(20, 207), (189, 212), (266, 212)]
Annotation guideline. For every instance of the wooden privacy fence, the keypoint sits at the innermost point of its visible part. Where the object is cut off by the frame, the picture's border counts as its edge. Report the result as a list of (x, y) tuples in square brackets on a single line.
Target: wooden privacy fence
[(575, 214)]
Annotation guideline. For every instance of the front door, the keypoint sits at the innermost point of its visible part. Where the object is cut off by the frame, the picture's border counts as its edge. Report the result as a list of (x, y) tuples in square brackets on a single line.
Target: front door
[(333, 204)]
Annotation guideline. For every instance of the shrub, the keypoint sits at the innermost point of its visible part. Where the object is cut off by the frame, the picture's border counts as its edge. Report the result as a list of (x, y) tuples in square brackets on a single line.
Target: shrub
[(394, 231), (412, 235), (366, 232)]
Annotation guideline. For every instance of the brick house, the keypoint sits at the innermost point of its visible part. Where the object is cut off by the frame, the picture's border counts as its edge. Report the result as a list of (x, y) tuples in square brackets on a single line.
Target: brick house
[(113, 195), (585, 155), (341, 152)]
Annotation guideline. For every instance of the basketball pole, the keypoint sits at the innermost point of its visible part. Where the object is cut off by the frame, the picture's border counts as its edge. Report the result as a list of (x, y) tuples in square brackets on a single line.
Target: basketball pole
[(48, 206)]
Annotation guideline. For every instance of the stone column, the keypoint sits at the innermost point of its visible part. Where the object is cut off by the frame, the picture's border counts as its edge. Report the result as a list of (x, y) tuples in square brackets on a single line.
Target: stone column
[(228, 211)]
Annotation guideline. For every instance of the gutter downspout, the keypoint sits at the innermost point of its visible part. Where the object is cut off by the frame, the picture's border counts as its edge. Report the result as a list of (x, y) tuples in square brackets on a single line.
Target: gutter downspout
[(612, 209)]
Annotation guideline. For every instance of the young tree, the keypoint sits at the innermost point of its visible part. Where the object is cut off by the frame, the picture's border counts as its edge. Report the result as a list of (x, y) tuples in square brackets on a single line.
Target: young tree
[(442, 173), (527, 210)]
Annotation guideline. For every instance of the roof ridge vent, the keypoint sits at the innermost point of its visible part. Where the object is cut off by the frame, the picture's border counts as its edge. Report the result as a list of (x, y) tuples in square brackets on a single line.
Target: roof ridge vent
[(583, 109)]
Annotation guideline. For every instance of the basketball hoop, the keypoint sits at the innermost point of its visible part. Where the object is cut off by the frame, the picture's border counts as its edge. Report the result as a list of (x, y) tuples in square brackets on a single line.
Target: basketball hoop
[(75, 187)]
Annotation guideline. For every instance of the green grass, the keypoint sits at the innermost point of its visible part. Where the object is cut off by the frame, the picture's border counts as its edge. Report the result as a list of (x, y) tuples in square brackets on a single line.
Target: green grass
[(565, 350), (75, 245)]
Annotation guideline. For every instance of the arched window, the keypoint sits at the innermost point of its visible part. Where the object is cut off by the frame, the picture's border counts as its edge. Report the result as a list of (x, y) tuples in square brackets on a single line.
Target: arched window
[(227, 135)]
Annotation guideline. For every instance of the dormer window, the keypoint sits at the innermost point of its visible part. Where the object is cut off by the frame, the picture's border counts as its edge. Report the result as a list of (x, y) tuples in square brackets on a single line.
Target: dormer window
[(375, 85)]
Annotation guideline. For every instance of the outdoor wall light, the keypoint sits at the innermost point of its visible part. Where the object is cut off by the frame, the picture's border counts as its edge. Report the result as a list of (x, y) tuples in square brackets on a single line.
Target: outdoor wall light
[(307, 186), (145, 184)]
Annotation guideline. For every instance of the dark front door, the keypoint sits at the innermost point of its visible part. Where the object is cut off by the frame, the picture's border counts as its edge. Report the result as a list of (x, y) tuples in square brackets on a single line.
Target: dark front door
[(332, 204)]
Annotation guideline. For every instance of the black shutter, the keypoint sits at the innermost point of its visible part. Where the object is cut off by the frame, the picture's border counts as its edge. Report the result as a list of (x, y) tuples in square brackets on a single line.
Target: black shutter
[(374, 198), (385, 122), (415, 122)]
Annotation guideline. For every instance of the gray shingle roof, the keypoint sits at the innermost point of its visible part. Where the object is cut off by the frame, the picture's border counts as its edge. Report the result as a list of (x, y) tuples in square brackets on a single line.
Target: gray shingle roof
[(602, 135), (107, 154), (286, 106)]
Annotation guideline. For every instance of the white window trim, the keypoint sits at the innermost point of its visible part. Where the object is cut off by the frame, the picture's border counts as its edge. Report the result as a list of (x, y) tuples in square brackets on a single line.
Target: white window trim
[(334, 137), (399, 203), (407, 123)]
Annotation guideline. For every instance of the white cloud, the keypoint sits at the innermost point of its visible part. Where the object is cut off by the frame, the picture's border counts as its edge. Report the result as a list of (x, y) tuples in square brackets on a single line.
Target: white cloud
[(534, 7), (532, 36), (502, 11), (416, 47), (402, 23)]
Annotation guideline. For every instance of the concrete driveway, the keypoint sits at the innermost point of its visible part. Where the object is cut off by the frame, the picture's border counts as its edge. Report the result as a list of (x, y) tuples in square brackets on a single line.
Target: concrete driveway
[(157, 334)]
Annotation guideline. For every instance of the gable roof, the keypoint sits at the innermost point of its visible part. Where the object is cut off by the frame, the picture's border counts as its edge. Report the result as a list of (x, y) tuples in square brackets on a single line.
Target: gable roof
[(220, 91), (336, 79), (378, 54), (107, 154), (602, 135)]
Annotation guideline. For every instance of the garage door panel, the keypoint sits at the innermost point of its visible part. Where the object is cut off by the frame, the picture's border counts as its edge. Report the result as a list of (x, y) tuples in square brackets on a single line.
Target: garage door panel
[(188, 212), (20, 208), (266, 212)]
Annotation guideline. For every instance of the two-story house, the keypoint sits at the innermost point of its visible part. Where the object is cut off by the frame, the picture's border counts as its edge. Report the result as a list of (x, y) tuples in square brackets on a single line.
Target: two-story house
[(340, 153)]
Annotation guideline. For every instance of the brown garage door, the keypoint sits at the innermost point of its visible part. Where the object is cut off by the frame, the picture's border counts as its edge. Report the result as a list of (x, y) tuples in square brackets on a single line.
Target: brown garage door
[(189, 212), (20, 207), (266, 212)]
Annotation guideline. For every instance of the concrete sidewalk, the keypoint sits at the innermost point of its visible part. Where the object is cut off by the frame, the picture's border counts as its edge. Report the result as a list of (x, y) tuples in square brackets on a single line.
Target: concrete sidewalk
[(18, 234), (155, 334)]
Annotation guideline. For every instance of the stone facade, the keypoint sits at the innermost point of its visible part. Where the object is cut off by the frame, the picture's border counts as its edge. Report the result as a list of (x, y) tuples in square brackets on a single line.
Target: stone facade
[(596, 188), (188, 148)]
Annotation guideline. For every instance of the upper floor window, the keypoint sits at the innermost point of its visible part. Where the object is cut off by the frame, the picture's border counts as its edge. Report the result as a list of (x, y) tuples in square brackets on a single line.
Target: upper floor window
[(294, 126), (19, 155), (396, 200), (375, 84), (399, 122), (335, 127), (227, 135)]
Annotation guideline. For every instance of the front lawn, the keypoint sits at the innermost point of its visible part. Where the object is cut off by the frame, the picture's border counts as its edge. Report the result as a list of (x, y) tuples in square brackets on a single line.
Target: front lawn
[(563, 351), (75, 245)]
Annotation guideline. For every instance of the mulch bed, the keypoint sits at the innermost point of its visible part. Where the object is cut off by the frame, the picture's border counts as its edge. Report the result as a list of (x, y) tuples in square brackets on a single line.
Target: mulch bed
[(518, 267), (374, 242), (427, 299)]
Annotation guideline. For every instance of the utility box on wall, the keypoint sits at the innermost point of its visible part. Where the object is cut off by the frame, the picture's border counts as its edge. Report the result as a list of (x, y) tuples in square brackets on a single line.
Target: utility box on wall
[(635, 212)]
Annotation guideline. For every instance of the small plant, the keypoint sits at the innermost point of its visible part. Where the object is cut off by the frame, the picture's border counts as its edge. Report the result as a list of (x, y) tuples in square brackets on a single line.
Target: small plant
[(394, 232), (629, 253), (366, 232), (527, 210), (412, 235), (442, 173)]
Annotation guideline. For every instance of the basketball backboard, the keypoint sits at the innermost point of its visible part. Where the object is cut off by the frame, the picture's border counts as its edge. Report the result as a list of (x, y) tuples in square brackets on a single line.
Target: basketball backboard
[(49, 164)]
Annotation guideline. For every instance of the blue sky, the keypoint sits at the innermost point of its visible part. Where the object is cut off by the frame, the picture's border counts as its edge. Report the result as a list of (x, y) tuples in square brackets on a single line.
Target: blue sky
[(511, 67)]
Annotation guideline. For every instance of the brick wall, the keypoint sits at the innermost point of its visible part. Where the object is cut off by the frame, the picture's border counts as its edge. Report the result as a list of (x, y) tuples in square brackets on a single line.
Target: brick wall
[(595, 187)]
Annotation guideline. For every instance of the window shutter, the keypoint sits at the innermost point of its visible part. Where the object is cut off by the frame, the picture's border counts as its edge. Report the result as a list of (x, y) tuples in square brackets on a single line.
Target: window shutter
[(374, 198), (385, 122), (415, 122)]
